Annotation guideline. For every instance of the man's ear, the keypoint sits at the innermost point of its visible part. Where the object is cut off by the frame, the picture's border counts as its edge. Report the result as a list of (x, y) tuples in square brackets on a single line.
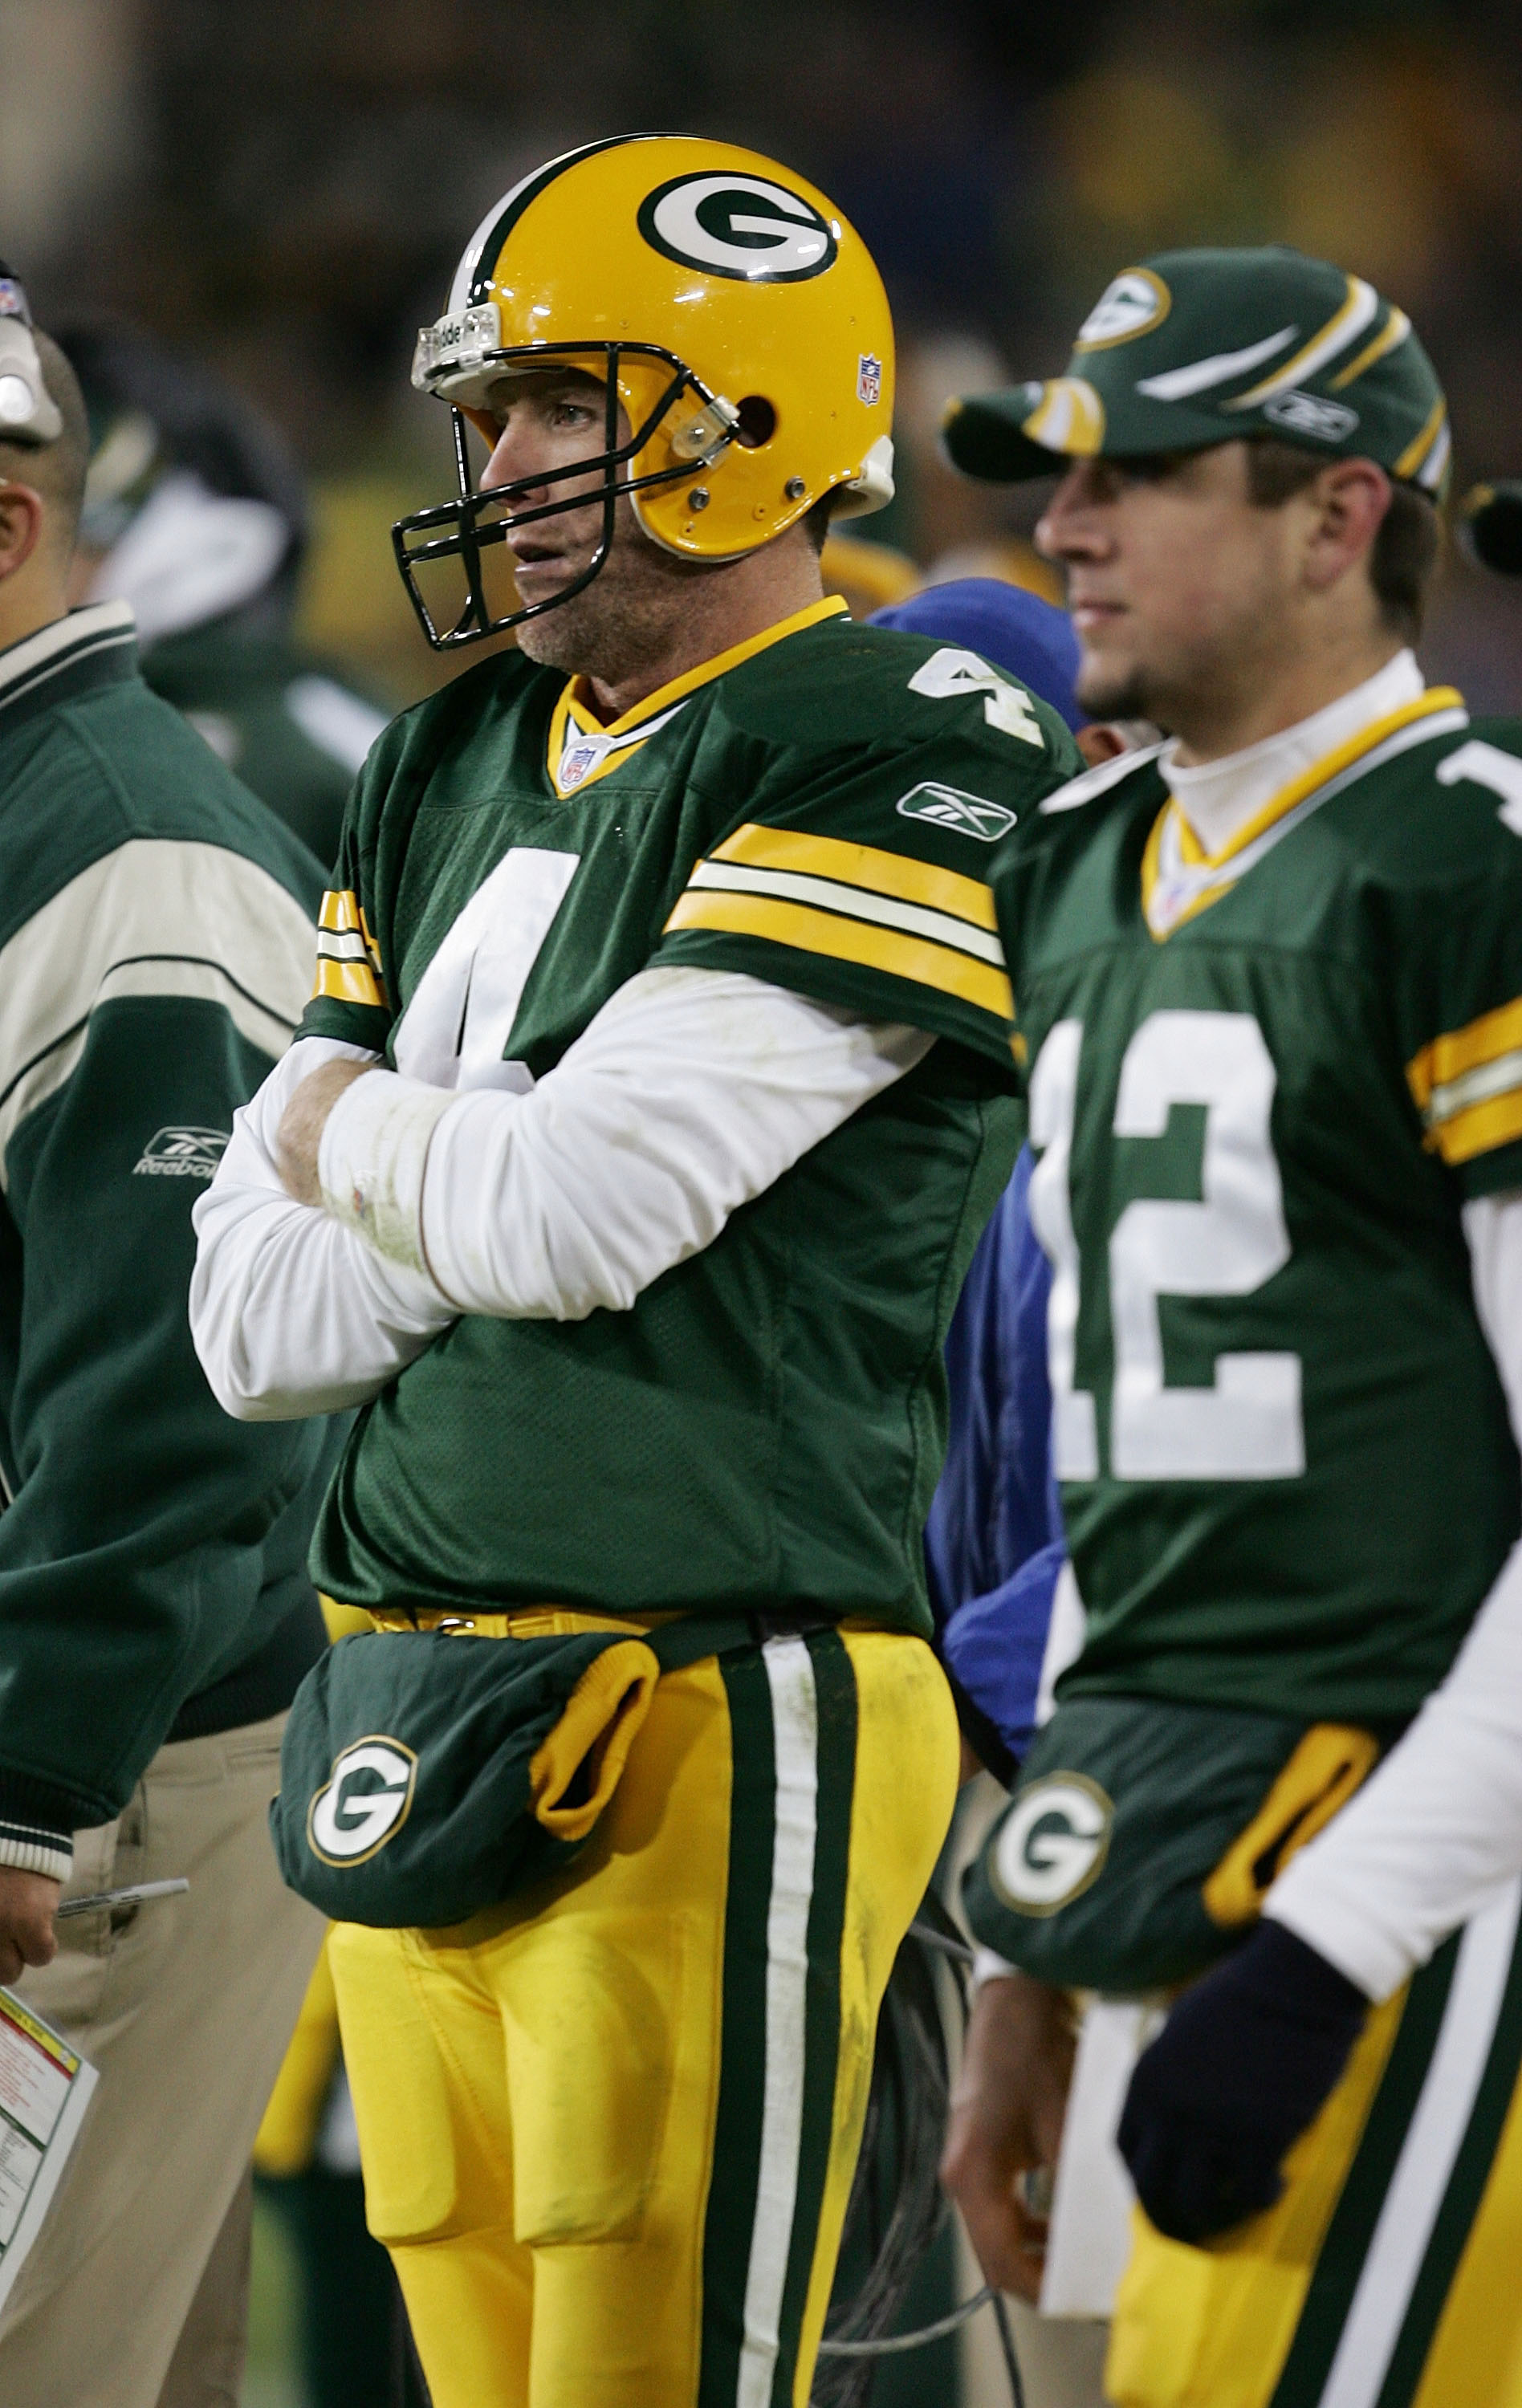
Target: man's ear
[(20, 526), (1103, 739), (1346, 503)]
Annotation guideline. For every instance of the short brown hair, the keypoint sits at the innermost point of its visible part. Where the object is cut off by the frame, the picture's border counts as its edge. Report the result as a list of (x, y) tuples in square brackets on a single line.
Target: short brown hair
[(1405, 550), (56, 470)]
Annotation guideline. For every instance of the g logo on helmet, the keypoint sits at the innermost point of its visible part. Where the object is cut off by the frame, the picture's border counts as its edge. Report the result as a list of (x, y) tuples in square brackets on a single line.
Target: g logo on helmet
[(364, 1801), (1053, 1843), (742, 226)]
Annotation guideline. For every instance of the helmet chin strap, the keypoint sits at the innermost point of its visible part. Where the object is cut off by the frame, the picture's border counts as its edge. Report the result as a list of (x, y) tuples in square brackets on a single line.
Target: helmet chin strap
[(28, 413)]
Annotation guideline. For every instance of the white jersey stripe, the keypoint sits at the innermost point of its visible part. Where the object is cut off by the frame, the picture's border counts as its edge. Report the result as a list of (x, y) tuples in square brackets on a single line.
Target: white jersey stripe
[(794, 1713), (1432, 2142), (852, 903), (341, 945), (1476, 1086), (159, 915)]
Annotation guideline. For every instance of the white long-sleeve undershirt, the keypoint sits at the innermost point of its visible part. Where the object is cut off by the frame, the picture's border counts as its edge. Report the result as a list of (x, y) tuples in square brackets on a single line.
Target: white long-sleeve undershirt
[(1438, 1827), (1219, 798), (690, 1093), (290, 1312)]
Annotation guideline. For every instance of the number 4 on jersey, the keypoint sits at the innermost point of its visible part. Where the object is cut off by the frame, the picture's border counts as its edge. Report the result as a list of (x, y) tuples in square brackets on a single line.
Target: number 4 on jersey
[(1485, 764), (1248, 1423), (950, 674)]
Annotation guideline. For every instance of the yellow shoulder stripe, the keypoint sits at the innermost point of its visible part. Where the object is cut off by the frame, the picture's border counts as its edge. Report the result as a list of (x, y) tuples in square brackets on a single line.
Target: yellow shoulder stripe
[(1485, 1039), (811, 931), (338, 910), (348, 957), (897, 874), (347, 982), (1480, 1129), (1468, 1085)]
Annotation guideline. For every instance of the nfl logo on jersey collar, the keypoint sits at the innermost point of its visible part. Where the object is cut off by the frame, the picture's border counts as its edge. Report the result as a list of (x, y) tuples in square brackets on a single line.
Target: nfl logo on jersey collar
[(581, 749), (587, 750), (581, 754)]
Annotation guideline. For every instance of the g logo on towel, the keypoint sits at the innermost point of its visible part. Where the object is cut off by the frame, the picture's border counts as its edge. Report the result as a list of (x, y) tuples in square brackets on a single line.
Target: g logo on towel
[(1053, 1843), (364, 1801)]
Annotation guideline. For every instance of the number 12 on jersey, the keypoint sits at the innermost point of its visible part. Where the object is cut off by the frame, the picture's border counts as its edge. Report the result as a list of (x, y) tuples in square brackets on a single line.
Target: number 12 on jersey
[(1248, 1423)]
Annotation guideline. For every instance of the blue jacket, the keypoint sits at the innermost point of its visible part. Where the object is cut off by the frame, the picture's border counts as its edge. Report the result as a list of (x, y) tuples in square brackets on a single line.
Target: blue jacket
[(994, 1542)]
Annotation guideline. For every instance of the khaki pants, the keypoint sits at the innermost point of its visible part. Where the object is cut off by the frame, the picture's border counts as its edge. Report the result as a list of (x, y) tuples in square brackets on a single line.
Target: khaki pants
[(184, 2006)]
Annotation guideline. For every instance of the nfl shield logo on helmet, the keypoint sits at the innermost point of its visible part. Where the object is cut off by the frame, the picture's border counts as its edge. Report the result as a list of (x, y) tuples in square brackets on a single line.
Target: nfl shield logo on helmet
[(869, 379)]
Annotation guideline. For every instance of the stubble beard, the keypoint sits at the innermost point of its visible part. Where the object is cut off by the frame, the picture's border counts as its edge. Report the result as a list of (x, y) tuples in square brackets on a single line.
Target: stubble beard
[(580, 636), (1114, 692), (623, 619)]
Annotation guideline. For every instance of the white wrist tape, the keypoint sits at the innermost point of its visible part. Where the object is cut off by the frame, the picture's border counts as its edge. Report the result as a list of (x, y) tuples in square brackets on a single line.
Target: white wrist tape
[(371, 1160)]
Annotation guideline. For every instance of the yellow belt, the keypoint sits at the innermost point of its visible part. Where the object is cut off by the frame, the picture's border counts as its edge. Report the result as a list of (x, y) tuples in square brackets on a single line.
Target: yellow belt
[(520, 1622)]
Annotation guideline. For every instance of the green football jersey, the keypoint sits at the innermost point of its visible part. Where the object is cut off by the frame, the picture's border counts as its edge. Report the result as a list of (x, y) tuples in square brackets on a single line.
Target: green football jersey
[(765, 1426), (1262, 1087)]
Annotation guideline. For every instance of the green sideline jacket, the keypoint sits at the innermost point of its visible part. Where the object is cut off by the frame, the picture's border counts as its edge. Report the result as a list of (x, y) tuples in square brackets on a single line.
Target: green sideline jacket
[(156, 940), (277, 715)]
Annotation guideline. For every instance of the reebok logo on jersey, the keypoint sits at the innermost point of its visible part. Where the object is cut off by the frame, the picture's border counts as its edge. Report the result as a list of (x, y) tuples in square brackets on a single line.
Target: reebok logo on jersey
[(1053, 1843), (182, 1154), (964, 814), (363, 1802)]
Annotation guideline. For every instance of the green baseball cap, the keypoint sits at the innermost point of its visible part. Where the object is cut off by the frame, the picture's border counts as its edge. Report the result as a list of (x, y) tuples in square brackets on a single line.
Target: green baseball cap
[(1196, 348)]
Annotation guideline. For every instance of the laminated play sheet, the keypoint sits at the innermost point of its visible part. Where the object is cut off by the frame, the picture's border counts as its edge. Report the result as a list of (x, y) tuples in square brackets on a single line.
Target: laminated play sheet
[(45, 2087)]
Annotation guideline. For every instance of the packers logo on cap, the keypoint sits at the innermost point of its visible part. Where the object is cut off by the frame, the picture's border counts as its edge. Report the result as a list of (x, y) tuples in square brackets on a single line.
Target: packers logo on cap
[(737, 226), (363, 1802), (1053, 1843), (1132, 305)]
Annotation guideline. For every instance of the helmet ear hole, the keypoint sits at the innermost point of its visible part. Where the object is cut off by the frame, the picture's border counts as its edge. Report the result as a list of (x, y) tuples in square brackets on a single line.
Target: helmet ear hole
[(757, 422)]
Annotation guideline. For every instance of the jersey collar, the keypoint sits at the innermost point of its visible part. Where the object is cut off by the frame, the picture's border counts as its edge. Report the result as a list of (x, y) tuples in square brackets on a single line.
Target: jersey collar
[(583, 749), (1180, 880), (78, 636)]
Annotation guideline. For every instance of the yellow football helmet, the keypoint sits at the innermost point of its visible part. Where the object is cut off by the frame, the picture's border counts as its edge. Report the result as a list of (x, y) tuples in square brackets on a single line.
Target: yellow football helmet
[(721, 300)]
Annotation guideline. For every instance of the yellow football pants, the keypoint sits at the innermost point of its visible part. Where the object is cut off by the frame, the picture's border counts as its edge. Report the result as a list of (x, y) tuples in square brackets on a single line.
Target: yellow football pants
[(1389, 2274), (608, 2129)]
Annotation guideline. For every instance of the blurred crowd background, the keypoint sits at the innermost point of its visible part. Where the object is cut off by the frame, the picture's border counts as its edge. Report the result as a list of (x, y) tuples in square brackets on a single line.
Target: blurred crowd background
[(283, 190)]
